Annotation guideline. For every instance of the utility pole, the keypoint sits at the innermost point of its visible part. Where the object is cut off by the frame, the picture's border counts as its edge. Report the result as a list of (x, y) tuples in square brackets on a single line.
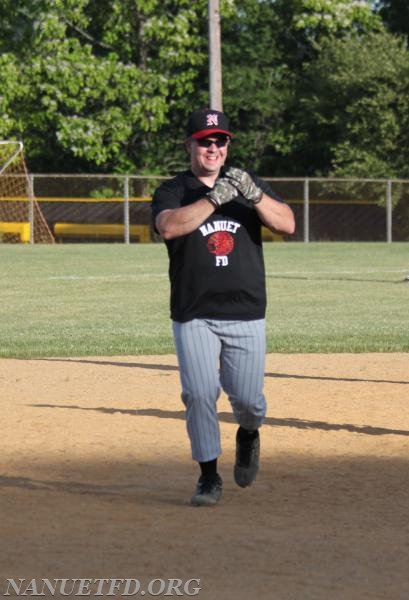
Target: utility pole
[(215, 59)]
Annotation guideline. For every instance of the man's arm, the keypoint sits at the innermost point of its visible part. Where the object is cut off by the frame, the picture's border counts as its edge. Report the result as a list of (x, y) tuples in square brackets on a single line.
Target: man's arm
[(276, 216), (174, 222)]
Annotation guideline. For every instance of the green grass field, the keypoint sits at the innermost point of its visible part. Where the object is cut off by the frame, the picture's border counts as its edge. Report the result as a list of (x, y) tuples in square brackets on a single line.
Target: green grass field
[(113, 299)]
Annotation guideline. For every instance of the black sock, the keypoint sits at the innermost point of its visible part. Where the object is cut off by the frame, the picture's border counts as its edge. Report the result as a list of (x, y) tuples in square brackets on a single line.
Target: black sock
[(208, 468), (246, 434)]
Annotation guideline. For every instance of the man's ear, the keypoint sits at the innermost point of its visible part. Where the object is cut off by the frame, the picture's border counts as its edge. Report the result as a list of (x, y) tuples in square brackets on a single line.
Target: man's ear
[(188, 144)]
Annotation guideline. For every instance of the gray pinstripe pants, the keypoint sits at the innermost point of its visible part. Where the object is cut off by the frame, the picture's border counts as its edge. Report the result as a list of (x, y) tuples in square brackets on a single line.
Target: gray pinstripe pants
[(215, 355)]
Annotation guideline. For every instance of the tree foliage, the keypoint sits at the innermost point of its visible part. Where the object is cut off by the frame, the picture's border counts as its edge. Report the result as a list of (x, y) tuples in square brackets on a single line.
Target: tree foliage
[(353, 109), (395, 15), (312, 87), (101, 77), (323, 18), (267, 47), (257, 83)]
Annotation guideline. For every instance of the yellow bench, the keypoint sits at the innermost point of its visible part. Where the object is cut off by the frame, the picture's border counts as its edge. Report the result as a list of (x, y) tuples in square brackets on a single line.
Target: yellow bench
[(22, 229), (106, 230)]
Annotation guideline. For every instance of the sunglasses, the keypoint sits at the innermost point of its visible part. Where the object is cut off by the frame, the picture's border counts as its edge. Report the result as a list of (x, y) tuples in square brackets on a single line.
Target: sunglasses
[(207, 142)]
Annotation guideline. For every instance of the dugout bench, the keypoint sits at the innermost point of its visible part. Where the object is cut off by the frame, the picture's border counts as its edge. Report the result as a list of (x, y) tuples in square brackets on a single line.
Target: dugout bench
[(15, 228), (104, 230), (101, 230)]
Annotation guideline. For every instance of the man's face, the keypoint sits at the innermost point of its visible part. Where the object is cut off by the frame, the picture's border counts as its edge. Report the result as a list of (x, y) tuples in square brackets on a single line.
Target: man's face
[(208, 154)]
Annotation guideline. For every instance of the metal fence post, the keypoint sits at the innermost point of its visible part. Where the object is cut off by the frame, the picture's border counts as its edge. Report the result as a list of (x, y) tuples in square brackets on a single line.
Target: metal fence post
[(306, 211), (31, 207), (389, 211), (126, 210)]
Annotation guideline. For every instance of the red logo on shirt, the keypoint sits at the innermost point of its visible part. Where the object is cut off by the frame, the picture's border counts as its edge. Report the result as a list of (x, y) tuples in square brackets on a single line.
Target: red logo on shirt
[(220, 243)]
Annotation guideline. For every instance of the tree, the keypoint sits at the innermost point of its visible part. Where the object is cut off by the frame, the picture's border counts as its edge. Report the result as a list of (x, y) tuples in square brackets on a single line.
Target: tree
[(99, 78), (257, 83), (267, 45), (354, 109), (395, 15), (323, 18), (107, 85)]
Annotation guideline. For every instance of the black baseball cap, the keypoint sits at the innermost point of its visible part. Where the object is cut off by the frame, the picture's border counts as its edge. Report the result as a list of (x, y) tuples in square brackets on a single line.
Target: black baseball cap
[(207, 122)]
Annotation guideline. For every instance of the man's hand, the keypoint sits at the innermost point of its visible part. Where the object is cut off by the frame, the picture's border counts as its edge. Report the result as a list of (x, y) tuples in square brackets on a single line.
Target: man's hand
[(245, 184), (222, 192)]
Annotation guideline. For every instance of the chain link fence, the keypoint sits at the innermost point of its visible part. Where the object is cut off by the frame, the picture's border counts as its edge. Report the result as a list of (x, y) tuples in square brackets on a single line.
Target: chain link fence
[(347, 209), (91, 208)]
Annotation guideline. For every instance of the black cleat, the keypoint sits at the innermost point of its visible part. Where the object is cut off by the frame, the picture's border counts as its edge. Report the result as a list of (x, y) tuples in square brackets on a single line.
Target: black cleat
[(208, 491), (247, 457)]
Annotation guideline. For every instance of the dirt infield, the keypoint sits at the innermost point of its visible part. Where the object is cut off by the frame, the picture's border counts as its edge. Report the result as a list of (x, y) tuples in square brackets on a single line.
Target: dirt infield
[(96, 477)]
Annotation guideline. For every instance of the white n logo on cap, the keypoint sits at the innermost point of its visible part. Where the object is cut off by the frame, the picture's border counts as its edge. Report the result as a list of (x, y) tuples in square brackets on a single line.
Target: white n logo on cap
[(212, 120)]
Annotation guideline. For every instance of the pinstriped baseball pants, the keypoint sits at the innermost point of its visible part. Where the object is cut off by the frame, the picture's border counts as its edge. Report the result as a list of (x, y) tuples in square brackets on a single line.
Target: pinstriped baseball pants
[(217, 355)]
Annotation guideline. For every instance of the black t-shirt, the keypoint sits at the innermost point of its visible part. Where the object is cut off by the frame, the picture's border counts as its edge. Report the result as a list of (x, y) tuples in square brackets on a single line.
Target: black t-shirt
[(217, 271)]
